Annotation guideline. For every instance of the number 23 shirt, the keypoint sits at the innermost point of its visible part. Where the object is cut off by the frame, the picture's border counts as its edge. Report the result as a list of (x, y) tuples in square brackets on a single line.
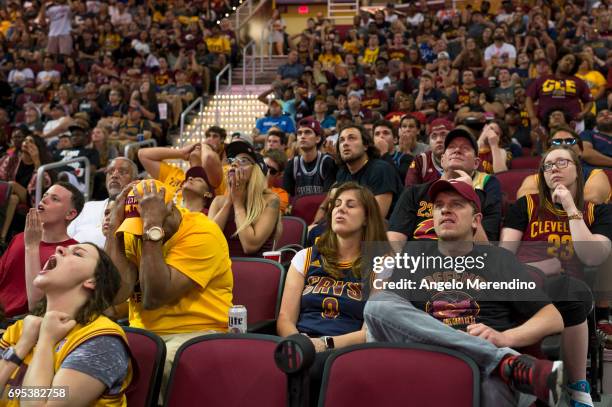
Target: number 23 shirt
[(550, 225)]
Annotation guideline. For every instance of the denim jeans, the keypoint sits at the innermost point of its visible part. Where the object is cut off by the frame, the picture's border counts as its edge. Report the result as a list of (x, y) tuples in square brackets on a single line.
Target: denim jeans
[(390, 318)]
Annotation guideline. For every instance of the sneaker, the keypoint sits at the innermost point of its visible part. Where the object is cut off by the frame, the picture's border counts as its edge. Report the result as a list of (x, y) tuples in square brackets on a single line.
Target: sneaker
[(541, 378), (580, 394)]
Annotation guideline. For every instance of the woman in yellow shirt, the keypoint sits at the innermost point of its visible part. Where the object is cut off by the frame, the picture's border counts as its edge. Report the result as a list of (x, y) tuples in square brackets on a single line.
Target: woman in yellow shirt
[(594, 79), (329, 58), (68, 347)]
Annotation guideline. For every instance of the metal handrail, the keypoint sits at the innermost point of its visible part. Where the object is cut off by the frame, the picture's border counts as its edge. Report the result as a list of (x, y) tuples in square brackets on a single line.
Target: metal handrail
[(126, 150), (186, 112), (253, 61), (227, 67), (40, 175)]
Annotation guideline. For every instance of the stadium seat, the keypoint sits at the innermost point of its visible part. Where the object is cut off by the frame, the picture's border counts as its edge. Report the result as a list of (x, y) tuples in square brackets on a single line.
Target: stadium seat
[(230, 370), (258, 285), (306, 207), (294, 232), (510, 183), (149, 352), (525, 163), (609, 174), (292, 238), (399, 374)]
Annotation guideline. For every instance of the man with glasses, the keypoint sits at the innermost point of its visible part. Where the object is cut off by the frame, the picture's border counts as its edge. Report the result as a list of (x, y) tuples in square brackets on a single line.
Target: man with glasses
[(87, 227), (427, 166), (412, 218)]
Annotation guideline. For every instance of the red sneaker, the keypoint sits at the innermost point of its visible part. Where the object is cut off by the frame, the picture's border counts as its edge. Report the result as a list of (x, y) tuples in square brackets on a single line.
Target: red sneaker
[(605, 327), (542, 378)]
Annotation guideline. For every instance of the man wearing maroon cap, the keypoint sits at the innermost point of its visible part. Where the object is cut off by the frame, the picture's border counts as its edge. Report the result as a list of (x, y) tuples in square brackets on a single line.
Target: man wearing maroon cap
[(312, 172), (488, 318), (412, 218), (427, 166)]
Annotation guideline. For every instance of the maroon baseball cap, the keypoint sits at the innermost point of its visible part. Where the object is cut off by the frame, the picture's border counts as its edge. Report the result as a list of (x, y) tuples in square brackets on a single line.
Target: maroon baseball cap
[(199, 172), (462, 188), (312, 124), (438, 124)]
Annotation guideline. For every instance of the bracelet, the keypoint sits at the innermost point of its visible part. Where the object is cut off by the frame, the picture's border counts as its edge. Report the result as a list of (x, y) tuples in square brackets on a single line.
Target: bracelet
[(575, 216)]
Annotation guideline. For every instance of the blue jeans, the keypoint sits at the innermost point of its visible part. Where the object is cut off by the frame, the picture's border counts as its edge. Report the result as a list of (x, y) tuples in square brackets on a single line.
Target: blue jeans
[(390, 318)]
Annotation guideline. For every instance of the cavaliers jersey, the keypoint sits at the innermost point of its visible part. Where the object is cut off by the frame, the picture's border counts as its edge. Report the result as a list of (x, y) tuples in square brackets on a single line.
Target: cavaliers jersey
[(397, 54), (550, 225), (329, 306), (77, 336), (486, 160), (423, 169)]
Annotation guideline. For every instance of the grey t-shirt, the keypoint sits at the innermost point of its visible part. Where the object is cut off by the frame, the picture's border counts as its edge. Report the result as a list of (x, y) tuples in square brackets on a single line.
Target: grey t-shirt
[(104, 358)]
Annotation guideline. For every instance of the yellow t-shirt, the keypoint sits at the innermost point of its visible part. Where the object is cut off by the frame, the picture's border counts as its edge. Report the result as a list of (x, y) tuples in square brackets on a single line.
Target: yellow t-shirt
[(328, 61), (370, 55), (173, 177), (595, 81), (198, 250), (352, 47), (79, 334), (219, 45)]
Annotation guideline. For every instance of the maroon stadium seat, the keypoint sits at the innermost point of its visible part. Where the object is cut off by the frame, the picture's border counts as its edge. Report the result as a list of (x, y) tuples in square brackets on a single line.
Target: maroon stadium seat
[(294, 232), (306, 206), (609, 174), (230, 370), (258, 285), (149, 353), (525, 162), (399, 374), (510, 183)]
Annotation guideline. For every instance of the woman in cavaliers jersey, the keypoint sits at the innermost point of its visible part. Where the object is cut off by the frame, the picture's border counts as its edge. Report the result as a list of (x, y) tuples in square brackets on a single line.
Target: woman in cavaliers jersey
[(68, 343), (324, 295), (596, 184), (572, 232)]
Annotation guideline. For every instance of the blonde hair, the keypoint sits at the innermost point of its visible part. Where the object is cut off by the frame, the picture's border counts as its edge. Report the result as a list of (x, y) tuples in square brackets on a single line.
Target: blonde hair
[(256, 202)]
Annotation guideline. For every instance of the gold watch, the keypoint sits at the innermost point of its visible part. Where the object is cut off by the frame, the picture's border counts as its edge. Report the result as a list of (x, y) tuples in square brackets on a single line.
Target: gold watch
[(154, 234), (575, 216)]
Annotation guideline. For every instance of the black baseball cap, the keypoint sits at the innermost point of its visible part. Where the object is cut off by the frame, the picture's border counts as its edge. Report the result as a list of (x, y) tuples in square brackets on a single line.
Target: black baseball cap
[(242, 147), (460, 131)]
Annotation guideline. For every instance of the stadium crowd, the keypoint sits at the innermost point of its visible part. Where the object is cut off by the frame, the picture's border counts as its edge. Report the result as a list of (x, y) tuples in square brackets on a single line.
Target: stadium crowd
[(410, 124)]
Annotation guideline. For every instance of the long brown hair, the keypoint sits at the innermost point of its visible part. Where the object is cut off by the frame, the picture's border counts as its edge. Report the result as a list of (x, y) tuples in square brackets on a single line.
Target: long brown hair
[(373, 231), (544, 192), (108, 283)]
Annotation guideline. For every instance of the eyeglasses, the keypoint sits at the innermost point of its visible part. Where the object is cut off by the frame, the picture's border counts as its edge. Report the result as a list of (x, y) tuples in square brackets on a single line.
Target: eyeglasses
[(560, 164), (122, 171), (563, 141), (241, 161)]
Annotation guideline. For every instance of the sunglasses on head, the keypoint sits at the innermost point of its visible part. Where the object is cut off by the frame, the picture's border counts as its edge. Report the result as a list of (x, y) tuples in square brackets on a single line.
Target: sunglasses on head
[(563, 141)]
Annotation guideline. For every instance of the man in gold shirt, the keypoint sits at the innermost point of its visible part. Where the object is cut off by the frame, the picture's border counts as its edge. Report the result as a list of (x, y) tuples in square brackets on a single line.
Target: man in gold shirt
[(175, 267)]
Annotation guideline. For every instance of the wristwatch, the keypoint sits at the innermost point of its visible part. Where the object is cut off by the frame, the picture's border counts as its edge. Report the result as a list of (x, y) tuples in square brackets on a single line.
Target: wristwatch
[(154, 234), (575, 216), (10, 355), (329, 342)]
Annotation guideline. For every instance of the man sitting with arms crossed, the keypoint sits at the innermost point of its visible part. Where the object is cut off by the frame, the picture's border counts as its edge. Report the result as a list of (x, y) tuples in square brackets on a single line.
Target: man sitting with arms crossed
[(412, 217), (488, 317), (174, 264)]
